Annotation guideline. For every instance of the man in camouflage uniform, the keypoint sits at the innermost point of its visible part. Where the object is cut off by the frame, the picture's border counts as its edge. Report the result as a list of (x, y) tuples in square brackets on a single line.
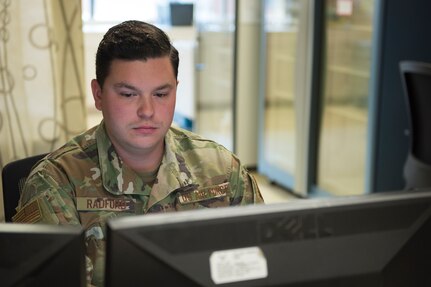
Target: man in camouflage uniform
[(133, 162)]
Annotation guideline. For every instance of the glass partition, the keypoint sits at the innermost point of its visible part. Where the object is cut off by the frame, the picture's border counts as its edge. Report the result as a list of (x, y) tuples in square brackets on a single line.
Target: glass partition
[(215, 65), (346, 75), (278, 153), (281, 32)]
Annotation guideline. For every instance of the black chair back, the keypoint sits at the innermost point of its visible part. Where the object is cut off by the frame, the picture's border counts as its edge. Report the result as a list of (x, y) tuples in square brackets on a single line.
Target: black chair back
[(14, 175), (416, 79)]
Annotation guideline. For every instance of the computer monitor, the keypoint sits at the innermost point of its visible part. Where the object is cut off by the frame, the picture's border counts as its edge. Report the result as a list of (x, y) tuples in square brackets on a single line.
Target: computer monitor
[(371, 240), (41, 255)]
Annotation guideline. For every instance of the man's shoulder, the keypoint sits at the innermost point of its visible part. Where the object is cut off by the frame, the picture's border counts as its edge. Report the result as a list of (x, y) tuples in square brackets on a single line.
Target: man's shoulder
[(82, 146), (196, 150), (180, 133), (190, 140)]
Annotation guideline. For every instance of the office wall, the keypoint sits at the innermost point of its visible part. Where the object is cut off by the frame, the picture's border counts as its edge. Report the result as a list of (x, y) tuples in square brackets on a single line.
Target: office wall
[(247, 81)]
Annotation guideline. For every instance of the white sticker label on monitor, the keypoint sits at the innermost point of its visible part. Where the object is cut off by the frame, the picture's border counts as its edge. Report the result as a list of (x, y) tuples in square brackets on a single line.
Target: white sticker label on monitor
[(235, 265)]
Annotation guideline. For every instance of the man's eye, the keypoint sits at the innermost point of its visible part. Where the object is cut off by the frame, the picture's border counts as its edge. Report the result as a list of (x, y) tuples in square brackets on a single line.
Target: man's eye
[(127, 95), (160, 95)]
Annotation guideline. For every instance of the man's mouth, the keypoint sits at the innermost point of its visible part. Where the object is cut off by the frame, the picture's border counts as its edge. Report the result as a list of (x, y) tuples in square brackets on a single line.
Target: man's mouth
[(145, 129)]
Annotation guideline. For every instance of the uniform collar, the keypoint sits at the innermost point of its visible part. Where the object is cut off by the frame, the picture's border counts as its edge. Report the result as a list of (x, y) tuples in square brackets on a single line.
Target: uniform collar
[(118, 178)]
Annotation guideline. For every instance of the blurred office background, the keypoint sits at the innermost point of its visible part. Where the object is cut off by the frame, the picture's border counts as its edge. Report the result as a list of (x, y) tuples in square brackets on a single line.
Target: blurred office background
[(306, 92)]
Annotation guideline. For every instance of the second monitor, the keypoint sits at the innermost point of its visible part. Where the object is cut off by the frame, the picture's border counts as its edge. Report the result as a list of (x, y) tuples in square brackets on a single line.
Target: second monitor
[(371, 240)]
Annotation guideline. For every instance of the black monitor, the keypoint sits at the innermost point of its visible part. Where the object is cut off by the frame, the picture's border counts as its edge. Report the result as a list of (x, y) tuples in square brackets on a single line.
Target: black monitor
[(372, 240), (41, 255)]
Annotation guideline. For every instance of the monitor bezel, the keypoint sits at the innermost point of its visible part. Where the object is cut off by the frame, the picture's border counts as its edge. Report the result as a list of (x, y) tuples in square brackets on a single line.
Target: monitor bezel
[(40, 250), (131, 226)]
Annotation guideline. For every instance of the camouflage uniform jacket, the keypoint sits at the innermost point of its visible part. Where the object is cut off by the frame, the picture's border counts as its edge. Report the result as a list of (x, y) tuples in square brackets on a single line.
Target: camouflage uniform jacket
[(85, 183)]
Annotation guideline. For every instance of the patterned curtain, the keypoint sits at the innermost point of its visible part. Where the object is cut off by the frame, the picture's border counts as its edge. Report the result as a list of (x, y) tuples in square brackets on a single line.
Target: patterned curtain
[(42, 93)]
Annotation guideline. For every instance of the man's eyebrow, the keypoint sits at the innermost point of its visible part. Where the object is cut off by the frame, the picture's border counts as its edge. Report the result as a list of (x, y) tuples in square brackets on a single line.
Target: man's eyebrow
[(165, 86), (126, 85), (131, 87)]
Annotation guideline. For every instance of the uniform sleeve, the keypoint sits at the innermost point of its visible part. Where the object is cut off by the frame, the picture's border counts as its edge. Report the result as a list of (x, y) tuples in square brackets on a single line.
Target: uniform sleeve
[(255, 191), (245, 189), (48, 198)]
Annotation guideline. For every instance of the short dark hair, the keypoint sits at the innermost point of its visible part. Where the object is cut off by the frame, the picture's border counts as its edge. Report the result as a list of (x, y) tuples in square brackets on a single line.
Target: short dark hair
[(133, 40)]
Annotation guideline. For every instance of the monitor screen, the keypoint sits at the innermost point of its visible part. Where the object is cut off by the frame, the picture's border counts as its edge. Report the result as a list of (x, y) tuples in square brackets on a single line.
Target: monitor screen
[(371, 240), (41, 255)]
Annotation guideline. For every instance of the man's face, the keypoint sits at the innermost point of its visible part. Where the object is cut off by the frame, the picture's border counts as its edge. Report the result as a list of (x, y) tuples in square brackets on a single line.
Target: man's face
[(138, 102)]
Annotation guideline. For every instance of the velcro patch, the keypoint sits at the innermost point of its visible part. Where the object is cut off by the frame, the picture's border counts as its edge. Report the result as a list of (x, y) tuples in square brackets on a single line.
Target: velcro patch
[(104, 204), (30, 213), (205, 193)]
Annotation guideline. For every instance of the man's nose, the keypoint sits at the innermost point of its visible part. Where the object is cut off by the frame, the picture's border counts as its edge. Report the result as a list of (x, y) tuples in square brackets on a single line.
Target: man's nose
[(145, 107)]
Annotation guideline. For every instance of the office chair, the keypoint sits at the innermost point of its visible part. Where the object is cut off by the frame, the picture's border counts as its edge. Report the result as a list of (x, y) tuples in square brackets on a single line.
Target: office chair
[(416, 79), (14, 175)]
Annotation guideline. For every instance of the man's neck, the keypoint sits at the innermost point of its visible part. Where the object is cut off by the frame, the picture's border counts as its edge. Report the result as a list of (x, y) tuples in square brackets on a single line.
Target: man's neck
[(142, 162)]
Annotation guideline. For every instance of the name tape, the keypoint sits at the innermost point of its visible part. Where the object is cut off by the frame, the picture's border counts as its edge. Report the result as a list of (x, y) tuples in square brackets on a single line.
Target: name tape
[(104, 204), (204, 193)]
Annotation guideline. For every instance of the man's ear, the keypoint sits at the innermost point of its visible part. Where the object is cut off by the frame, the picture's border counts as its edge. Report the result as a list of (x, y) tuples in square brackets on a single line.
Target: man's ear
[(97, 94)]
